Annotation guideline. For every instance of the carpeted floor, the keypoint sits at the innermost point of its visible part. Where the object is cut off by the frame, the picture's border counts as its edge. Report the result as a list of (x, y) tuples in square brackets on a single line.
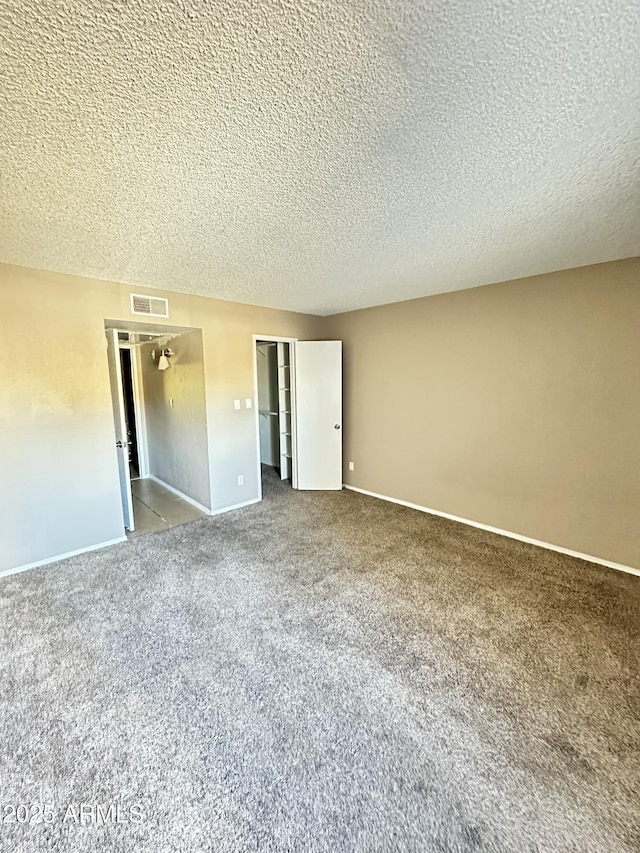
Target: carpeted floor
[(321, 672)]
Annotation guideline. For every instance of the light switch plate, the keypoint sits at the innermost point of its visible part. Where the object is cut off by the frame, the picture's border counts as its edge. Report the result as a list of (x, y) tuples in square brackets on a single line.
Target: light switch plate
[(247, 403), (236, 404), (351, 466)]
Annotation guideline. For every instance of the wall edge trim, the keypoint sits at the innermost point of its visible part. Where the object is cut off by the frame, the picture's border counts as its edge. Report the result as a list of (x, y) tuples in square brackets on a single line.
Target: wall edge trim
[(58, 557), (234, 506), (180, 494), (620, 567)]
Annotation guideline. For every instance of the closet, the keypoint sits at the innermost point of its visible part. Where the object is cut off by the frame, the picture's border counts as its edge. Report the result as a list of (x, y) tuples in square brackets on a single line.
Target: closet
[(275, 405)]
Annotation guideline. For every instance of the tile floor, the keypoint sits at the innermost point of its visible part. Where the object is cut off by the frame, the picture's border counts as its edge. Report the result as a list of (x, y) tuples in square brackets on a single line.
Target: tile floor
[(156, 508)]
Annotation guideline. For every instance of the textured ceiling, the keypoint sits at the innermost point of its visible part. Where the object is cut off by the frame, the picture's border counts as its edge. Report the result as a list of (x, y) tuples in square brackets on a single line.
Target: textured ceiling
[(318, 155)]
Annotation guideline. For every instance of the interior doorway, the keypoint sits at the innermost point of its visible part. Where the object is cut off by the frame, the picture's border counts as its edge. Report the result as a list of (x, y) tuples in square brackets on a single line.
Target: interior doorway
[(275, 407), (126, 367), (298, 402), (159, 410)]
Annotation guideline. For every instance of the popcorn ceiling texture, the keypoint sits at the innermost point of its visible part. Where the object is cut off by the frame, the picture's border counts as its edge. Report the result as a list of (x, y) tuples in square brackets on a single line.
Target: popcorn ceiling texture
[(318, 156)]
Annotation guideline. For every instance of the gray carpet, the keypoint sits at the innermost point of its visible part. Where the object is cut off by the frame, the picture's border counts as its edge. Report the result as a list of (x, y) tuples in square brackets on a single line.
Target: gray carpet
[(321, 672)]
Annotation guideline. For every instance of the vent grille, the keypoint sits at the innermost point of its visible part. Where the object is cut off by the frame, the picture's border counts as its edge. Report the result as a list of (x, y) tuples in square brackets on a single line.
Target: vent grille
[(124, 337), (150, 306)]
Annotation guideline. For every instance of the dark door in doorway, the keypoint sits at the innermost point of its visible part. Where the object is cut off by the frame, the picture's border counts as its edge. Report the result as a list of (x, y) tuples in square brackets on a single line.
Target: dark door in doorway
[(130, 412)]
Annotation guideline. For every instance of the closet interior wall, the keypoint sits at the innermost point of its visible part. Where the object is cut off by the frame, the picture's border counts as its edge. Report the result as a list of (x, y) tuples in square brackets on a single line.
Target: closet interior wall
[(268, 402), (275, 405)]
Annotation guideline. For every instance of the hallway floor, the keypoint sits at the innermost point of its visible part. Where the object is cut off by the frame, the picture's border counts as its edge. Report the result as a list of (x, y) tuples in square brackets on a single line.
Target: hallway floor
[(156, 508)]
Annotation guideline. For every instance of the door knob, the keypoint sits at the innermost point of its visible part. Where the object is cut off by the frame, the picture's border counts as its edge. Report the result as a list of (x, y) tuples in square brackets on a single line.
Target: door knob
[(337, 426)]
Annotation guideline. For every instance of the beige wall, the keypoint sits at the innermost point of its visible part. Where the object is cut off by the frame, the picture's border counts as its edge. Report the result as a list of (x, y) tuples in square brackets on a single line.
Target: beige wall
[(59, 486), (177, 437), (516, 405)]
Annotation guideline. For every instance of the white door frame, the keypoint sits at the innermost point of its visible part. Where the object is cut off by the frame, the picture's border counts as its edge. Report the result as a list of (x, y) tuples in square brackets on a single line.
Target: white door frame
[(292, 373), (139, 410)]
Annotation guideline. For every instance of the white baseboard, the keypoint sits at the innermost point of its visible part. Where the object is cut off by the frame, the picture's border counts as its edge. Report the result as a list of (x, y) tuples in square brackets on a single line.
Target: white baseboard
[(235, 506), (58, 557), (180, 494), (5, 572), (588, 557), (200, 506)]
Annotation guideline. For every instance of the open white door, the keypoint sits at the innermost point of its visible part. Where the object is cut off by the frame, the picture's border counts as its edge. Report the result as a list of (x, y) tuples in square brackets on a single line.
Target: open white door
[(122, 443), (318, 414)]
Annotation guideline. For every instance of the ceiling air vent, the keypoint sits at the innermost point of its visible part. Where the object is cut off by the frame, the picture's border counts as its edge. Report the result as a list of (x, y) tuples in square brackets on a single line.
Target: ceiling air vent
[(150, 306)]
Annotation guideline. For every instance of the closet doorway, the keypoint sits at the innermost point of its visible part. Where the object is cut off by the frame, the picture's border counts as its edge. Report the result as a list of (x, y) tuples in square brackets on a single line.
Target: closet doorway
[(298, 402), (275, 406)]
